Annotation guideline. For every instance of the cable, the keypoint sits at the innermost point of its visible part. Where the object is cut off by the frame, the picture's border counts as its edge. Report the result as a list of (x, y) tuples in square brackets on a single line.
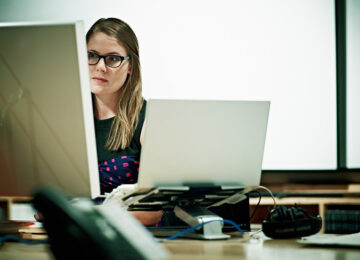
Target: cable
[(248, 189), (271, 194), (257, 205), (18, 239), (199, 225), (251, 188)]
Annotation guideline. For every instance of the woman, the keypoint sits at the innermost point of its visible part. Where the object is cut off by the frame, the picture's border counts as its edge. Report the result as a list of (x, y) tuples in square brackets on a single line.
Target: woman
[(119, 108)]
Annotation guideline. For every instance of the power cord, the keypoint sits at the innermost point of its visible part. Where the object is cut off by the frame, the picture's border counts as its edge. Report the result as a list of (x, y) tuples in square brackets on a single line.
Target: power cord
[(271, 194), (257, 205), (274, 207)]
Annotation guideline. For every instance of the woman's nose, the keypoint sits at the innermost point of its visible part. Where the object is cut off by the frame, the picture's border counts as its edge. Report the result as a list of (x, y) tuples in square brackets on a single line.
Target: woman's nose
[(101, 64)]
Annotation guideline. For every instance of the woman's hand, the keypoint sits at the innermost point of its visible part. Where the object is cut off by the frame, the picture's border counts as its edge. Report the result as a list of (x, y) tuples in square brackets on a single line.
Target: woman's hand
[(38, 217), (147, 218)]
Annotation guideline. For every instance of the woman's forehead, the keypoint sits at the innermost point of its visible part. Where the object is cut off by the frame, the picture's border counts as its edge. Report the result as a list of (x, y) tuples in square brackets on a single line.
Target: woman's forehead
[(104, 43)]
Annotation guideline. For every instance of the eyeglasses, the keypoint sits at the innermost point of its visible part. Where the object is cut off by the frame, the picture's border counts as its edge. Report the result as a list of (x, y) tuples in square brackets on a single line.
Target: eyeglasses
[(112, 61)]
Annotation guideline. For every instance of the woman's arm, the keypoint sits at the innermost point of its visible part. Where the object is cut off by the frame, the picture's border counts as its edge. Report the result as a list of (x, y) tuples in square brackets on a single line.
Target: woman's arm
[(147, 218)]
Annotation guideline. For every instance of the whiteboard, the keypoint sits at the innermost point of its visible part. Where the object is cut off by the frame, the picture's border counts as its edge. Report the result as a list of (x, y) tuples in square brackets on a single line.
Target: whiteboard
[(280, 50)]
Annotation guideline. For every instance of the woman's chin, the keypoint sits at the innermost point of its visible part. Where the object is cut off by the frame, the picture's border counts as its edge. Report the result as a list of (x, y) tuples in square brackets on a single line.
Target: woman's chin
[(98, 90)]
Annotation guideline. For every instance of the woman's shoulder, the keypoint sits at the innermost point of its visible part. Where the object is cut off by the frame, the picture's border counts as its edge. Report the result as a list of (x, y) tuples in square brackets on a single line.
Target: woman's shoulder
[(144, 105), (142, 112)]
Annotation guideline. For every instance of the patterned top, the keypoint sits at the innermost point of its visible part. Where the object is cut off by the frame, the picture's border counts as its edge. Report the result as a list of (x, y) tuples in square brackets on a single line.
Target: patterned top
[(121, 166)]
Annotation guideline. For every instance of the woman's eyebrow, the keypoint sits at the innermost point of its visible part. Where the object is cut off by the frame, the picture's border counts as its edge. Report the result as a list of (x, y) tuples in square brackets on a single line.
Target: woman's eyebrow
[(113, 53), (105, 54)]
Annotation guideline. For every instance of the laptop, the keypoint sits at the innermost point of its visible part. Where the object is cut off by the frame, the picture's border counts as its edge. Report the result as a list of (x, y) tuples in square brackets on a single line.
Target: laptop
[(206, 143)]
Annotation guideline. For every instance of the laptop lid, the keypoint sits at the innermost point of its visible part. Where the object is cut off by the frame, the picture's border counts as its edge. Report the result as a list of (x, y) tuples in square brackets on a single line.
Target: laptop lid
[(46, 121), (203, 143)]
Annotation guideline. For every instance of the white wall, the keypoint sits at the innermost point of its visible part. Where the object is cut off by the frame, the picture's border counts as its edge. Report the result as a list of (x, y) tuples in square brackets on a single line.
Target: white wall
[(353, 84), (278, 50)]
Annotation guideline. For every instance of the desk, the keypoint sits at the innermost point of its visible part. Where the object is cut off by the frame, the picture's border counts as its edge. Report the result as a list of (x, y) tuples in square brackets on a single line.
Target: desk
[(234, 248)]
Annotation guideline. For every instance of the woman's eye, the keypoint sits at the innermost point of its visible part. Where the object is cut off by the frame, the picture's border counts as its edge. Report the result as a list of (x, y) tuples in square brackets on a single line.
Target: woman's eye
[(92, 55), (114, 58)]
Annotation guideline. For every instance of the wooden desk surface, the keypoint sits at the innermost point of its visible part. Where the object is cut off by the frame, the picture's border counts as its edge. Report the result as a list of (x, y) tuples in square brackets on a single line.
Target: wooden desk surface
[(235, 248)]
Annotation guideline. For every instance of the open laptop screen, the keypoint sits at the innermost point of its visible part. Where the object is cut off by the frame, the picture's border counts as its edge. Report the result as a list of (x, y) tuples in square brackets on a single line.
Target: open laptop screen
[(203, 142)]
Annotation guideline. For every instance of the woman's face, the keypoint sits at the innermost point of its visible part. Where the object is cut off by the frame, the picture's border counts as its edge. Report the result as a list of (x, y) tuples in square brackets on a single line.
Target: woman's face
[(103, 79)]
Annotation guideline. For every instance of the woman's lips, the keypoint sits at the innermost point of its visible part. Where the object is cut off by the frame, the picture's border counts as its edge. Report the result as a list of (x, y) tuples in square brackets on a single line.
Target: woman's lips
[(99, 79)]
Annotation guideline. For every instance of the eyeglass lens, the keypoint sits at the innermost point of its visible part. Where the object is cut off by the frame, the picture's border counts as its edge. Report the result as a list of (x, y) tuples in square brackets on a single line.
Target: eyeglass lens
[(112, 61)]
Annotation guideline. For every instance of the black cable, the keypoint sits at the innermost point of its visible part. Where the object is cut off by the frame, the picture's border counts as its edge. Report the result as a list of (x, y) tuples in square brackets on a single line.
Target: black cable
[(257, 205)]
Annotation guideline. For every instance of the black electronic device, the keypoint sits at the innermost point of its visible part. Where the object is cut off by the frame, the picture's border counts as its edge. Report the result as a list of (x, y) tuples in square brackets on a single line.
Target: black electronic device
[(291, 222), (230, 204), (78, 230)]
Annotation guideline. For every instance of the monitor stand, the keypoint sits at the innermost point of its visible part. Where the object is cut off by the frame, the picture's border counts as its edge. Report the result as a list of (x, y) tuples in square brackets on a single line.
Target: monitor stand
[(197, 215)]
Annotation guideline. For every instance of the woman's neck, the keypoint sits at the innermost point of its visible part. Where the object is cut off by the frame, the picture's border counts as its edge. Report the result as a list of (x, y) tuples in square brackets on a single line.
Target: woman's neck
[(105, 106)]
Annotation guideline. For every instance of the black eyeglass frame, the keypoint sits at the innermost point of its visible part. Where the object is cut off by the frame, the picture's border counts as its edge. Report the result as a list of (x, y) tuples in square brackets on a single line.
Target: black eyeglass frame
[(122, 58)]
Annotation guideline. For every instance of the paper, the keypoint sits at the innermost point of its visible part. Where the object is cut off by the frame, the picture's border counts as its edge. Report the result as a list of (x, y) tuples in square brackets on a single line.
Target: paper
[(351, 240)]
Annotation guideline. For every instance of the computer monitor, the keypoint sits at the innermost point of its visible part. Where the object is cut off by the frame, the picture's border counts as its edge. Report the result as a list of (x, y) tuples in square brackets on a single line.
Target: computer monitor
[(47, 132)]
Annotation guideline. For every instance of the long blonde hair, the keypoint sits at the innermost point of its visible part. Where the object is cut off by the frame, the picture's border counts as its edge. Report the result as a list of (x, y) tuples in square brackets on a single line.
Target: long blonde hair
[(131, 100)]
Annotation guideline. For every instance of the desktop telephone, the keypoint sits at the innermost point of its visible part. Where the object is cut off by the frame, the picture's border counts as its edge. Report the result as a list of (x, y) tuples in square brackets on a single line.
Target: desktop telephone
[(78, 230)]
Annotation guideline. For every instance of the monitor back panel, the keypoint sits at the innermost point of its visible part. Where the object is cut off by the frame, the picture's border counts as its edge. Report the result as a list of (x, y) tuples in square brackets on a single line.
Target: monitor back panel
[(46, 125)]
